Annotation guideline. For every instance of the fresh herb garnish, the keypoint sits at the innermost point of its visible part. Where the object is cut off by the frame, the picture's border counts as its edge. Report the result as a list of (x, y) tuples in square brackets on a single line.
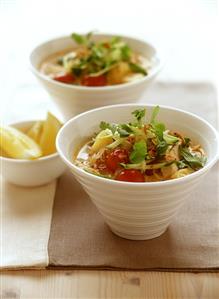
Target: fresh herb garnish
[(139, 114), (181, 164), (126, 53), (104, 125), (162, 148), (144, 147), (158, 128), (102, 56), (170, 139), (139, 152), (78, 38), (154, 114), (123, 133), (194, 161), (137, 68)]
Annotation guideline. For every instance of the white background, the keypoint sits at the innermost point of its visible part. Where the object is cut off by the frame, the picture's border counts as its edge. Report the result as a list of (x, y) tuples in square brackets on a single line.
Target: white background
[(184, 30)]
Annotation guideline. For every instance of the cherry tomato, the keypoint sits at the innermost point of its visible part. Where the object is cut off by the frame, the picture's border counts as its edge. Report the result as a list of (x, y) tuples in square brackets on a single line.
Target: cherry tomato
[(68, 78), (130, 175), (94, 81), (117, 156)]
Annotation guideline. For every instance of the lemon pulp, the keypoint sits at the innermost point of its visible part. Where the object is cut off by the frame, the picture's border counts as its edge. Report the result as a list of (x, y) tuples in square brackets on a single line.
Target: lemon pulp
[(50, 129), (18, 145)]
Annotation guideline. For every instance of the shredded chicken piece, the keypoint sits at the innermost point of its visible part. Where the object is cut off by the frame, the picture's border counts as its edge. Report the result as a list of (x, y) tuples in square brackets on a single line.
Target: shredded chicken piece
[(168, 171), (172, 154)]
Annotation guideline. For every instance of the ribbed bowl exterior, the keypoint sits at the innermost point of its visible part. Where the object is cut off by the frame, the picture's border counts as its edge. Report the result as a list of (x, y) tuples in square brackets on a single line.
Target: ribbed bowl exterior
[(71, 102), (137, 212)]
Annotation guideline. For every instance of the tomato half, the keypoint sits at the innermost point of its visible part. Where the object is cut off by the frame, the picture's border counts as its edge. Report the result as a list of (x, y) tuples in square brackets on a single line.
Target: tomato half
[(130, 175), (116, 157), (68, 78), (94, 81)]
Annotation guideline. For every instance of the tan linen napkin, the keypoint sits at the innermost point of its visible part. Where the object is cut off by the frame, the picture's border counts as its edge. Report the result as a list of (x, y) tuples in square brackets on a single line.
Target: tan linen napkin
[(80, 239), (25, 225)]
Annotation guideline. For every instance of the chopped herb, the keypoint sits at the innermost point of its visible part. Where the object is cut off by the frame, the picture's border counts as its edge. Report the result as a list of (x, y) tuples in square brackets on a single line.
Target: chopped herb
[(170, 139), (155, 112), (139, 114), (126, 53), (123, 133), (89, 35), (126, 128), (139, 152), (137, 68), (78, 38), (159, 128), (162, 148), (194, 161), (145, 147), (181, 164), (104, 125)]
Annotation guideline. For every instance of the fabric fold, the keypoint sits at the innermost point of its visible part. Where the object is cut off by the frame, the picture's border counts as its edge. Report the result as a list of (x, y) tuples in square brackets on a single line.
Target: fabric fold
[(25, 225)]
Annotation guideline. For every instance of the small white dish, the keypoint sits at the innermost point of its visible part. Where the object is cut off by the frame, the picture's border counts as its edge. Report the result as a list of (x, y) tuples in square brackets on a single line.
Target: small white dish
[(31, 173), (71, 99), (137, 211)]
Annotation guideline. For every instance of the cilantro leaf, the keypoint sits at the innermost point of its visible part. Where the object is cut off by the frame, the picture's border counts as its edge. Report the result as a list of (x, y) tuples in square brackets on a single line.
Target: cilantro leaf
[(136, 68), (159, 128), (194, 161), (89, 35), (125, 52), (104, 125), (78, 38), (139, 152), (123, 133), (161, 148), (170, 139), (139, 114), (126, 128), (82, 39), (181, 164), (155, 112)]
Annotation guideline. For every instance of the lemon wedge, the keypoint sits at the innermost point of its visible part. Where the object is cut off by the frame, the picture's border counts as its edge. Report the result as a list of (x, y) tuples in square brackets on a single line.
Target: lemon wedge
[(104, 138), (18, 145), (35, 131), (50, 129)]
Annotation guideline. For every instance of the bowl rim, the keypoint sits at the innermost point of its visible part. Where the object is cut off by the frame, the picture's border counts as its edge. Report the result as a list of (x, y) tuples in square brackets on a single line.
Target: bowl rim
[(152, 74), (25, 161), (100, 179)]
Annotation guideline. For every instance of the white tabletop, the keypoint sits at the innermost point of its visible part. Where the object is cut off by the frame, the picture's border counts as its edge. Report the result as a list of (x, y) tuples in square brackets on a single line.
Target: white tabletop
[(184, 30)]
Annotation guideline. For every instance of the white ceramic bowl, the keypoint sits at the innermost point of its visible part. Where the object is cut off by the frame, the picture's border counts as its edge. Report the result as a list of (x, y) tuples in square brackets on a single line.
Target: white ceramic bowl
[(31, 173), (137, 211), (71, 99)]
